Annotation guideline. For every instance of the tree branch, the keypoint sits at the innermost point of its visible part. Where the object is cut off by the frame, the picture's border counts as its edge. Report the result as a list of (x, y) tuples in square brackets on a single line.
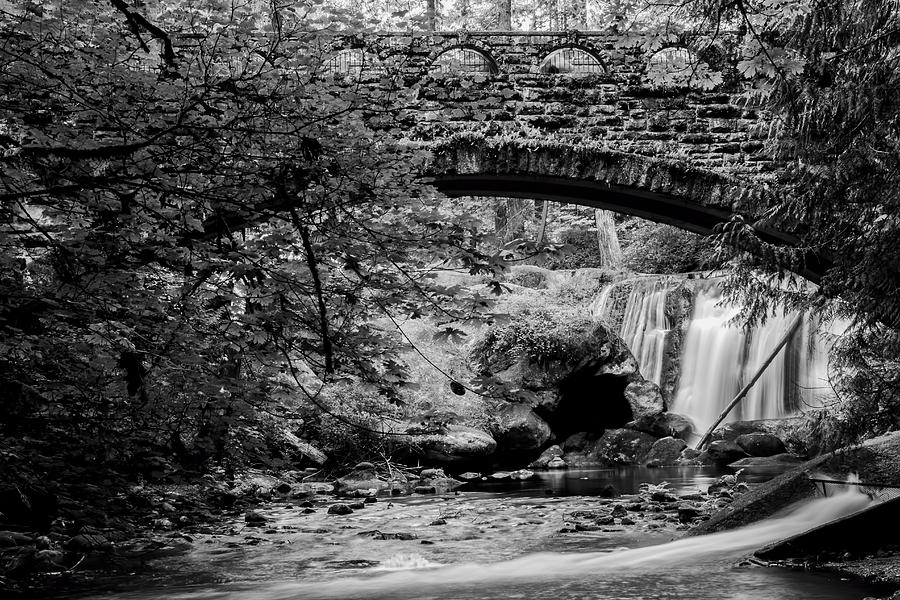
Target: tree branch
[(138, 21)]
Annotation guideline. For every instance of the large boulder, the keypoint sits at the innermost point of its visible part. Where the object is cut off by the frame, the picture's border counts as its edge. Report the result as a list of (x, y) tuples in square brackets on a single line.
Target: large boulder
[(577, 374), (722, 453), (731, 431), (665, 451), (662, 425), (518, 429), (644, 398), (615, 447), (457, 444), (760, 444)]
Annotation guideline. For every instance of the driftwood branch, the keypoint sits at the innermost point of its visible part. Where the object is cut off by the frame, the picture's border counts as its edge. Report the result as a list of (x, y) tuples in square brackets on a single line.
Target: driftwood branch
[(740, 396)]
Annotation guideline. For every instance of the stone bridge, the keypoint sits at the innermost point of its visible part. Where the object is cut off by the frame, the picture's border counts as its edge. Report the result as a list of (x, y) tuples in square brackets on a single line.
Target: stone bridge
[(590, 118)]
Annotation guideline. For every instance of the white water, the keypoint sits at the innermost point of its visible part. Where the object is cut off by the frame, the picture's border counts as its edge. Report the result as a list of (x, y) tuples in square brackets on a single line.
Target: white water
[(544, 567), (645, 326), (718, 356)]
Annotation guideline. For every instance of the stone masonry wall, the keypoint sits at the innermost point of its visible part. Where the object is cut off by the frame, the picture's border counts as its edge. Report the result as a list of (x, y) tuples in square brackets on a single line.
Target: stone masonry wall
[(708, 128)]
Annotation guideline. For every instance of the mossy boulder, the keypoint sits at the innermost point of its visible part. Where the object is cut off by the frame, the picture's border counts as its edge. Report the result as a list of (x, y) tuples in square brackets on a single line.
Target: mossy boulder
[(575, 373)]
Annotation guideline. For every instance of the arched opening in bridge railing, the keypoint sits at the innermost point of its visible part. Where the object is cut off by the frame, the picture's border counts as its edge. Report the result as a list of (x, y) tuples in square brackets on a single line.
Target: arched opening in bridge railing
[(572, 60), (354, 63), (678, 67), (463, 59)]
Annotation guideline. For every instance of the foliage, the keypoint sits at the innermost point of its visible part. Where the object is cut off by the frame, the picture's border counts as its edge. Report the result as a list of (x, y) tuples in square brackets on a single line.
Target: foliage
[(201, 226), (538, 334), (659, 248)]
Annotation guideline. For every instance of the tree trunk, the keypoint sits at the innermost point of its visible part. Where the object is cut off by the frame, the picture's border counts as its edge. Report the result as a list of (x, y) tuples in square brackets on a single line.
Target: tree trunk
[(431, 14), (509, 218), (504, 19), (608, 239)]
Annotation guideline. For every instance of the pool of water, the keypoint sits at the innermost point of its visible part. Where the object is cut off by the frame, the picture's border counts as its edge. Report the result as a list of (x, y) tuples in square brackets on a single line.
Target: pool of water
[(592, 482)]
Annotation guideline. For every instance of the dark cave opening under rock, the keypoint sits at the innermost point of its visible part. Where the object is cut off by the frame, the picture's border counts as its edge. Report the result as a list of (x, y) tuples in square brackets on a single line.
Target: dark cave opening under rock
[(590, 402)]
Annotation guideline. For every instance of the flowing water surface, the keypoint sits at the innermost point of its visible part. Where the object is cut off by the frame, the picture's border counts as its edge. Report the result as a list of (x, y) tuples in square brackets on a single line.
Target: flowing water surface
[(493, 545)]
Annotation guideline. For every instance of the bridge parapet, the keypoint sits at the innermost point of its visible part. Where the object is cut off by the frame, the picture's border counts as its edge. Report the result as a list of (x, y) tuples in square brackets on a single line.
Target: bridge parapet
[(594, 87)]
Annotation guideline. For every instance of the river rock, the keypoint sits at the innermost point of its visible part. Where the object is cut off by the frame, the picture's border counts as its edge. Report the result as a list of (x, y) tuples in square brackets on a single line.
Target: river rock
[(689, 457), (546, 456), (457, 444), (664, 425), (311, 488), (363, 476), (760, 444), (469, 476), (557, 463), (12, 538), (731, 431), (722, 452), (518, 428), (87, 542), (255, 518), (615, 447), (438, 478), (339, 509), (425, 489), (644, 398), (665, 451), (687, 513)]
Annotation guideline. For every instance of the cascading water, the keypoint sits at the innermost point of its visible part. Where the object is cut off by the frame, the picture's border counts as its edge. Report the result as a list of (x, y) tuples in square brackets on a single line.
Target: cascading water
[(645, 326), (717, 356)]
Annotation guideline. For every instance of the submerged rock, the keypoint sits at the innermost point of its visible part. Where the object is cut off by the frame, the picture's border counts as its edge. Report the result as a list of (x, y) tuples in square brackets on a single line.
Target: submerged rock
[(339, 509)]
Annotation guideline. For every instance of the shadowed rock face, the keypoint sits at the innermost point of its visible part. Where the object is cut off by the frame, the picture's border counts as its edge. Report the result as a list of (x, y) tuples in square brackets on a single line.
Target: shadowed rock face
[(588, 383)]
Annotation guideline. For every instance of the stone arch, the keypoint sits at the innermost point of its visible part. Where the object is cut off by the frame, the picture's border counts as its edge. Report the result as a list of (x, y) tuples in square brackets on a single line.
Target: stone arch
[(463, 58), (353, 62), (659, 190), (572, 59), (679, 67)]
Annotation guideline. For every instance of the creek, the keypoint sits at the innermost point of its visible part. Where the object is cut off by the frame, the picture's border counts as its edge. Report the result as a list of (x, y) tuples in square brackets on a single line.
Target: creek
[(489, 541)]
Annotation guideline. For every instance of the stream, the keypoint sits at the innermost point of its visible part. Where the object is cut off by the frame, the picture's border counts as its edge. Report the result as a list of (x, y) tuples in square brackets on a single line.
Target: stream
[(490, 540)]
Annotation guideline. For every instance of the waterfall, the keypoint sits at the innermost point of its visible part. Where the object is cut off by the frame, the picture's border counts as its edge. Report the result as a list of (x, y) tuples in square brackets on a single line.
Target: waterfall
[(717, 356), (645, 325)]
